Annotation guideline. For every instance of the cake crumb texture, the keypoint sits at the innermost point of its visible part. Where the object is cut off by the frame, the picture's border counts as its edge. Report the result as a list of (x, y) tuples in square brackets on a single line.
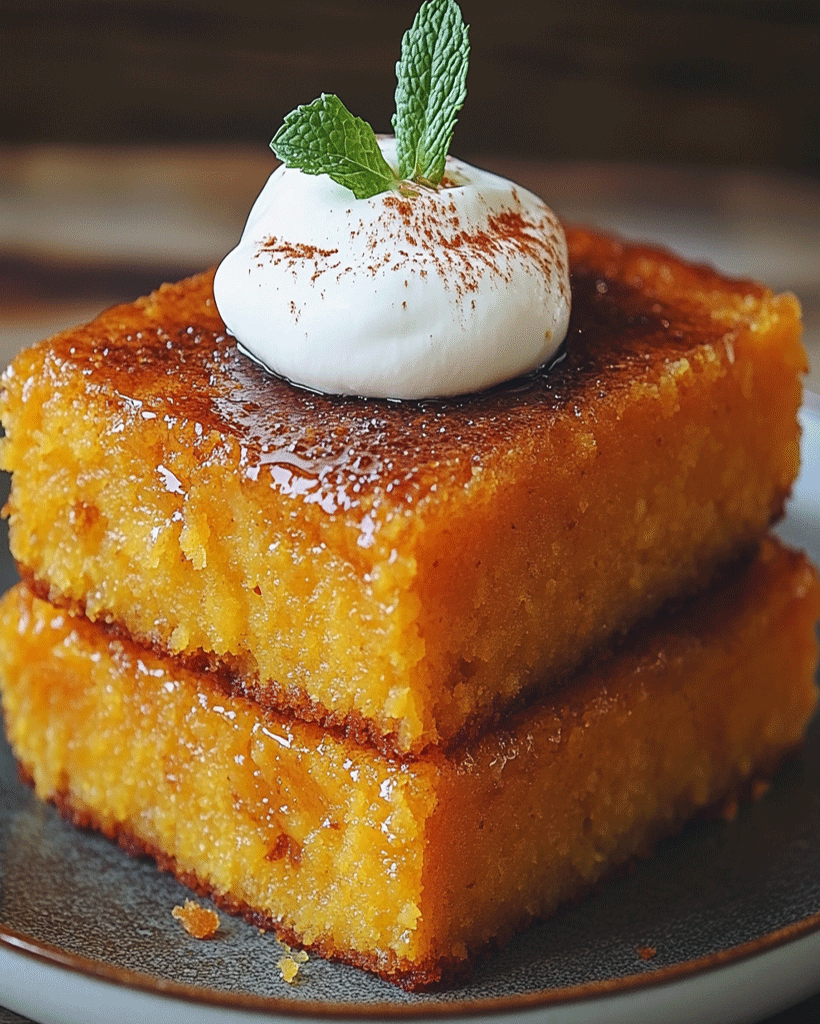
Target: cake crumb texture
[(411, 868), (290, 964), (406, 571), (199, 921)]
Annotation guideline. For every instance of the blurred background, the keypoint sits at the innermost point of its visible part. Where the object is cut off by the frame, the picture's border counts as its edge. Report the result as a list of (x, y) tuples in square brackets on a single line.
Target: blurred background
[(717, 82), (134, 133)]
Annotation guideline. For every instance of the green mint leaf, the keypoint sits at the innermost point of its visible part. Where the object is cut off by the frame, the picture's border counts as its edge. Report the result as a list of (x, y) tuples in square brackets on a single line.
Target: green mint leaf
[(323, 137), (430, 89)]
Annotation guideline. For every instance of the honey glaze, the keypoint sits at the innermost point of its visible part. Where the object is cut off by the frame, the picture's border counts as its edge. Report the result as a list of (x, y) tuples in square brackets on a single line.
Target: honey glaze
[(168, 358)]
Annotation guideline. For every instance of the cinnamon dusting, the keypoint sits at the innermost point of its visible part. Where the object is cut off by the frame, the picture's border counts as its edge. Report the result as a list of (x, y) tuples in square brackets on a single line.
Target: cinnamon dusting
[(426, 236), (298, 253), (463, 254), (295, 250)]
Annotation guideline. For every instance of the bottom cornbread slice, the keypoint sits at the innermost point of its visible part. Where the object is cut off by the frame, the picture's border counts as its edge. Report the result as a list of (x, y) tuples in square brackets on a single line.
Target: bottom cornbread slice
[(411, 868)]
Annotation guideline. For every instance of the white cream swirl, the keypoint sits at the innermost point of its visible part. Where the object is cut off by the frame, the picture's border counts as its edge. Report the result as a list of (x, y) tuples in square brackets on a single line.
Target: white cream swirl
[(422, 293)]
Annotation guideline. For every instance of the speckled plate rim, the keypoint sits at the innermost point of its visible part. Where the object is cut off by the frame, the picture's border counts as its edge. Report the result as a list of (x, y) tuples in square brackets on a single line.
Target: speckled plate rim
[(784, 977), (763, 975)]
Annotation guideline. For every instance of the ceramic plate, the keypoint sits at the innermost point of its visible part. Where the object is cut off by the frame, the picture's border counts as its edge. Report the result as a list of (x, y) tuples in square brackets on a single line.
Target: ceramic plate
[(722, 924)]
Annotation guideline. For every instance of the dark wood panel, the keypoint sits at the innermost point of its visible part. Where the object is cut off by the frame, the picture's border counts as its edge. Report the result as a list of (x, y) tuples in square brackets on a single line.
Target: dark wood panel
[(708, 81)]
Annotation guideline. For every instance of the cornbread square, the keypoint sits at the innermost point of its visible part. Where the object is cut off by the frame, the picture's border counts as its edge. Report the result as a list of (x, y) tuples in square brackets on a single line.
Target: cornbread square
[(411, 867), (405, 570)]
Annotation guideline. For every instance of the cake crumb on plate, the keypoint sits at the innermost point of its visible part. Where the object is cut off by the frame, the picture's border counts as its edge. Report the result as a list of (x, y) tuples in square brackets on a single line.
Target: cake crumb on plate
[(198, 921)]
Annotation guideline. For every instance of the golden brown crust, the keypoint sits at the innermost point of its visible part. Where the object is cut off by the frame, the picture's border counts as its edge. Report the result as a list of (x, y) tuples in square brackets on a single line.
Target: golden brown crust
[(634, 308)]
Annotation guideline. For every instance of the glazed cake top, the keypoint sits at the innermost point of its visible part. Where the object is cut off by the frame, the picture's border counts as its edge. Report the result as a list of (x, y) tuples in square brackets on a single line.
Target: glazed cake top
[(636, 312), (404, 570)]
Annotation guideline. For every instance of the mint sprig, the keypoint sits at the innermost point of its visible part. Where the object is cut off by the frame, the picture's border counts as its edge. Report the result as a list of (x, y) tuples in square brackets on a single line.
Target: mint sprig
[(431, 88), (323, 137)]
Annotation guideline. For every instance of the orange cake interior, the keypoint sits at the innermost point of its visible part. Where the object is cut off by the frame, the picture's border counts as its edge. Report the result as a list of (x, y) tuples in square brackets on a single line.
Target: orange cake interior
[(406, 571), (411, 867)]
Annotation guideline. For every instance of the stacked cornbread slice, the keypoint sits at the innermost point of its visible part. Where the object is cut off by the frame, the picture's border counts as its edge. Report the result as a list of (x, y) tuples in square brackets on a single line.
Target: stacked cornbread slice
[(397, 678)]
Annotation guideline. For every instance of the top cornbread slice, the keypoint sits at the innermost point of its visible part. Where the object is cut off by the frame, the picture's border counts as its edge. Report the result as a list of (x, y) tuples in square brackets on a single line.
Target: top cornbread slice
[(407, 570)]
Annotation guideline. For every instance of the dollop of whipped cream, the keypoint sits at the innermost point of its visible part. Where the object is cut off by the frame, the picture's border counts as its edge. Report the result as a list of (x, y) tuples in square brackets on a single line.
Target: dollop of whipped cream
[(417, 293)]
